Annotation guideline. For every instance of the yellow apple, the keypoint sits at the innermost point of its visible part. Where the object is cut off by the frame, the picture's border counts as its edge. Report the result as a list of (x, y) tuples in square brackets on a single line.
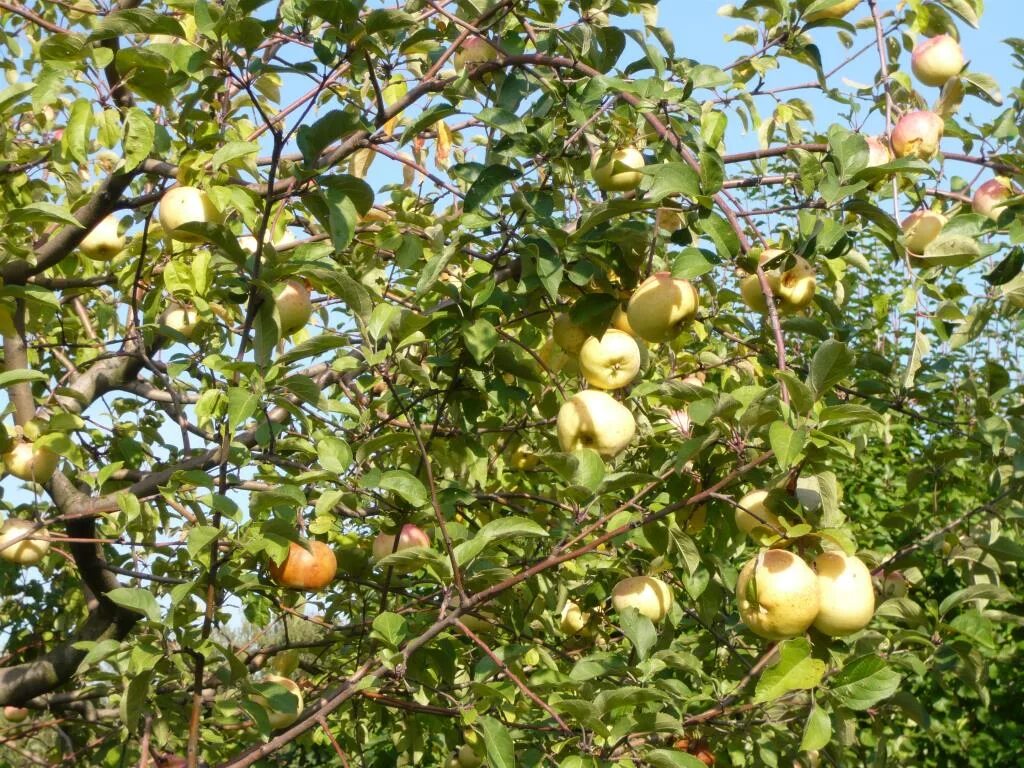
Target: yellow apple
[(556, 359), (595, 419), (920, 228), (669, 220), (612, 361), (620, 322), (752, 513), (568, 335), (104, 241), (185, 205), (797, 286), (294, 306), (573, 619), (467, 757), (917, 134), (777, 594), (282, 718), (523, 459), (184, 320), (651, 596), (661, 306), (936, 60), (845, 594), (26, 461), (753, 296), (618, 170), (27, 551), (15, 714), (836, 11)]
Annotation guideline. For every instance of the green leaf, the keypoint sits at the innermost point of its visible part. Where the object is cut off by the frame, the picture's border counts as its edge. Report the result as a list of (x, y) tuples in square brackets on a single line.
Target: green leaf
[(313, 139), (335, 455), (794, 670), (481, 339), (242, 404), (139, 135), (692, 262), (831, 363), (138, 600), (21, 375), (974, 592), (75, 139), (233, 150), (817, 730), (801, 397), (490, 180), (500, 749), (405, 485), (951, 250), (672, 179), (984, 86), (864, 682), (921, 348), (494, 531), (199, 538), (391, 628), (671, 758), (46, 212), (786, 442), (639, 630)]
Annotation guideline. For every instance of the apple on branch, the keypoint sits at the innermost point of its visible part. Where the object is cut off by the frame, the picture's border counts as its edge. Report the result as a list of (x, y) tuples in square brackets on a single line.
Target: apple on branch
[(846, 596), (28, 461), (104, 241), (879, 152), (990, 198), (186, 205), (751, 513), (310, 565), (917, 135), (181, 318), (409, 536), (652, 597), (474, 50), (777, 594), (920, 228), (27, 551), (661, 307), (15, 714), (611, 362), (294, 305), (568, 335), (594, 419), (937, 59), (836, 10), (618, 170), (281, 716)]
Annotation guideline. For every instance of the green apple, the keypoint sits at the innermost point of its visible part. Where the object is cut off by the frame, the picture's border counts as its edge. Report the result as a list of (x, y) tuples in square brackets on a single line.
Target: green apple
[(282, 718), (753, 296), (777, 594), (937, 59), (573, 619), (104, 241), (27, 461), (568, 335), (595, 419), (651, 596), (612, 361), (920, 228), (184, 320), (846, 596), (618, 170), (186, 205), (752, 513), (27, 551), (797, 286), (661, 306), (294, 306)]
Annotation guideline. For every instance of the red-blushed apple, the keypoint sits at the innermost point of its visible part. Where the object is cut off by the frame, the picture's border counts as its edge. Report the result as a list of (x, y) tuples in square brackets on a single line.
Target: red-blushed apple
[(612, 361), (917, 134), (185, 205), (474, 50), (618, 170), (936, 60), (989, 199), (294, 305), (661, 307), (104, 241), (878, 151), (27, 461), (594, 419), (410, 536), (777, 594), (845, 594), (651, 596), (292, 702), (310, 566), (920, 228), (27, 551), (836, 11), (15, 714)]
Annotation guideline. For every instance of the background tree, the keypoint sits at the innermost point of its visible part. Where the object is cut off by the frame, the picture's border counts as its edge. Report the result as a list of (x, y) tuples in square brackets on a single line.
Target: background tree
[(298, 302)]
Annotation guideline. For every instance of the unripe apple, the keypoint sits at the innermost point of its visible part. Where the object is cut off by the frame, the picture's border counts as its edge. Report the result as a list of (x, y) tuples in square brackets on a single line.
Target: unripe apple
[(557, 359), (878, 151), (920, 228), (15, 714), (620, 321), (846, 596), (917, 134), (751, 513), (104, 241), (474, 50), (184, 320), (797, 286), (409, 537), (936, 60), (278, 718), (523, 459), (990, 198), (294, 306), (691, 520), (651, 596), (670, 220), (753, 296), (311, 567), (468, 758), (26, 461), (573, 619), (568, 335), (777, 594), (612, 361), (661, 306), (27, 551), (836, 11), (595, 419), (185, 205), (618, 170)]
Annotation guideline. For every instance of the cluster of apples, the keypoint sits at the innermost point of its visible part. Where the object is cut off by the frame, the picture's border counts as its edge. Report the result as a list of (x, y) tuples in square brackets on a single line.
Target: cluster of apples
[(780, 596), (793, 288), (28, 460)]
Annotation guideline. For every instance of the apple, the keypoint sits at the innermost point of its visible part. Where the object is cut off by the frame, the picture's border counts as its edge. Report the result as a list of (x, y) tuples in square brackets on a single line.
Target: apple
[(777, 594), (595, 419), (917, 134), (556, 359), (936, 60), (618, 170), (845, 595), (282, 719), (691, 520), (568, 335), (797, 286), (104, 241), (661, 306), (836, 11), (474, 50), (184, 320), (651, 596), (248, 242), (612, 361), (670, 220), (293, 306), (878, 151), (409, 537), (920, 228), (310, 566), (573, 619), (753, 296), (26, 461), (27, 551), (185, 205), (465, 757), (15, 714), (989, 199), (620, 322), (523, 459), (751, 513)]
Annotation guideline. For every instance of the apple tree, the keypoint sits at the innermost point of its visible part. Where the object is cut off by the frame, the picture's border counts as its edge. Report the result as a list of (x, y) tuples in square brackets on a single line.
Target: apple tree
[(435, 382)]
